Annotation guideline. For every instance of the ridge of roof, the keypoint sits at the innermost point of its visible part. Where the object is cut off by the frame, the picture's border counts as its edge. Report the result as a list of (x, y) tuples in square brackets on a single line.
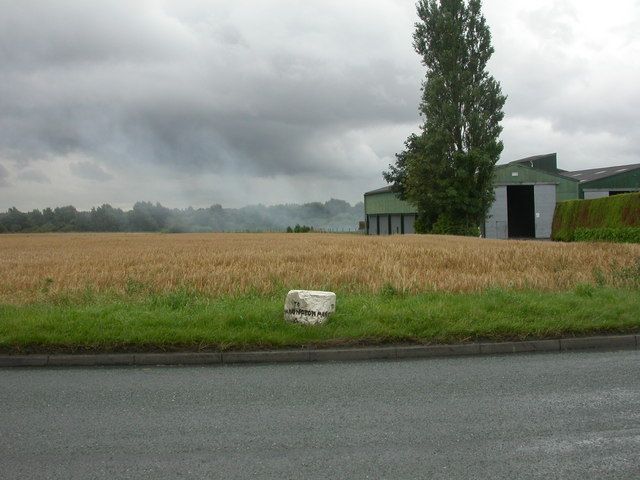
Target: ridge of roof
[(532, 158), (581, 176), (557, 173), (598, 173), (379, 190)]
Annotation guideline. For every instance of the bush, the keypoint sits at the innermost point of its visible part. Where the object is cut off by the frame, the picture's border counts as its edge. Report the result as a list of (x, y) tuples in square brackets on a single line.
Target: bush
[(299, 229), (614, 218), (622, 235), (444, 225)]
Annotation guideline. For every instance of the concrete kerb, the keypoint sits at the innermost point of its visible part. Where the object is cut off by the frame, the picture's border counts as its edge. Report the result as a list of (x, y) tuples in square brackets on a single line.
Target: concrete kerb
[(611, 342), (600, 343), (23, 360), (346, 354), (424, 351), (90, 360), (520, 347), (178, 358), (270, 356)]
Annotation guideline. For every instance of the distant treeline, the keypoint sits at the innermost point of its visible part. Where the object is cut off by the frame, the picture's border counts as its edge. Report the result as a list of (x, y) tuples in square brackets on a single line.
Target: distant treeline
[(333, 215)]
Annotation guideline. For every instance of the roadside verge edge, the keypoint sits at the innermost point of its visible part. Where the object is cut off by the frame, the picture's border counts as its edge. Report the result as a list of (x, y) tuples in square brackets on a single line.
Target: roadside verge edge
[(599, 343)]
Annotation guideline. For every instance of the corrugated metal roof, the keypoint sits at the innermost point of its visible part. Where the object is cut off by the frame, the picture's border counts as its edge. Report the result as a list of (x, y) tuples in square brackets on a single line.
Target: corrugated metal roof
[(602, 172), (532, 159), (578, 175)]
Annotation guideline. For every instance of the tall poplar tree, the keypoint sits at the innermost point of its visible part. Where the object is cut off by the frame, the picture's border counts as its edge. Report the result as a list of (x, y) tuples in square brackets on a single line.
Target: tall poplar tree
[(446, 170)]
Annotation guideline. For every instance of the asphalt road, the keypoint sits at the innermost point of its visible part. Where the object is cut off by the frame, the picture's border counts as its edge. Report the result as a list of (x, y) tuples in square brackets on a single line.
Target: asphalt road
[(571, 415)]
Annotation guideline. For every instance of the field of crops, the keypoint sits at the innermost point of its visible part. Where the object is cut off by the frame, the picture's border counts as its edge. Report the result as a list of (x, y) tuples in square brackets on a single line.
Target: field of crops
[(44, 264)]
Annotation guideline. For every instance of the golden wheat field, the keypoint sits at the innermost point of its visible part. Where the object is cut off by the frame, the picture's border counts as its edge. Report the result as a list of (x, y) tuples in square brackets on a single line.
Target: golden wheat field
[(239, 263)]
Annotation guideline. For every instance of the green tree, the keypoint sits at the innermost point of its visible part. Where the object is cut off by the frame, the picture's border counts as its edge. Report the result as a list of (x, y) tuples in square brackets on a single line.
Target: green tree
[(446, 170), (65, 218), (106, 219)]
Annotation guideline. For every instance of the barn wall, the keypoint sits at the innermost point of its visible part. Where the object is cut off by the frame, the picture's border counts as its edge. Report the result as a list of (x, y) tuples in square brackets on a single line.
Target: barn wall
[(591, 194), (384, 224), (544, 198), (496, 223), (409, 221), (396, 225), (566, 188), (386, 202), (373, 225)]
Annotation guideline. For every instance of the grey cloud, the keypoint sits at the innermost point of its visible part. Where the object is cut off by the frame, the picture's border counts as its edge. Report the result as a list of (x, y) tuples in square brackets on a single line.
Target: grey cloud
[(4, 176), (89, 171), (230, 35), (272, 90), (33, 176), (37, 34), (553, 22), (577, 83), (215, 108)]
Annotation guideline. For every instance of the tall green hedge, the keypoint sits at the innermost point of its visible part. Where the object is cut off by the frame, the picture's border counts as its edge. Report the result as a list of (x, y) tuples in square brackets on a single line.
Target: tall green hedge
[(614, 218)]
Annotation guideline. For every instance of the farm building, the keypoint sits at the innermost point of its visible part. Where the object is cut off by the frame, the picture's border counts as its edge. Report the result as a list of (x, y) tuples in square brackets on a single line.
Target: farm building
[(526, 193), (604, 182), (386, 214)]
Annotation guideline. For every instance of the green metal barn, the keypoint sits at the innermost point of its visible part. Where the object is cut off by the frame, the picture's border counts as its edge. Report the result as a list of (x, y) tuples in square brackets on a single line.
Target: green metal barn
[(386, 214), (603, 182), (526, 193)]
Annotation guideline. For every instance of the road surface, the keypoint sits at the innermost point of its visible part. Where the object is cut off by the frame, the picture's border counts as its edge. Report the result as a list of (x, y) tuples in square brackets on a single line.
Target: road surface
[(571, 415)]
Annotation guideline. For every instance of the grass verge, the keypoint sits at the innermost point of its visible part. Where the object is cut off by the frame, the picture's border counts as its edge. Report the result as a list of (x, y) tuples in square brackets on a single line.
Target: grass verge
[(181, 321)]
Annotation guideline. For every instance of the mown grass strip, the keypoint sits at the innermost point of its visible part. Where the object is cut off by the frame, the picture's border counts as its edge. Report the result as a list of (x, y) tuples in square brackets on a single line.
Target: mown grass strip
[(256, 322)]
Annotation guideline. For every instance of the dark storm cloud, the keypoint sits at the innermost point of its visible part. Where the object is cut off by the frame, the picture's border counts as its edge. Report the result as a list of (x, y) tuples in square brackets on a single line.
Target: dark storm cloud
[(33, 176), (4, 176), (43, 34), (277, 101), (89, 171), (142, 84)]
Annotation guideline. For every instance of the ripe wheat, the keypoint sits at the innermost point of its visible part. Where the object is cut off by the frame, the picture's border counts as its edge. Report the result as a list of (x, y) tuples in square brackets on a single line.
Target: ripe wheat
[(234, 264)]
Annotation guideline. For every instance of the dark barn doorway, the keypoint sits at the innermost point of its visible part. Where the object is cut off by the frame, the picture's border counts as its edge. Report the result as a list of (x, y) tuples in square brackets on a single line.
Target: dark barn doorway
[(521, 211)]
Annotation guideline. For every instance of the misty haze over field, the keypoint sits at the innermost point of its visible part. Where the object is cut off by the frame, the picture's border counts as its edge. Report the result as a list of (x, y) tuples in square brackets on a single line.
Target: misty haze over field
[(246, 102), (331, 216)]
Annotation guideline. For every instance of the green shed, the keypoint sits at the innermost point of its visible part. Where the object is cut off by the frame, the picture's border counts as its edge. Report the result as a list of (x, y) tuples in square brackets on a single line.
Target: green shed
[(386, 214), (607, 181), (526, 193)]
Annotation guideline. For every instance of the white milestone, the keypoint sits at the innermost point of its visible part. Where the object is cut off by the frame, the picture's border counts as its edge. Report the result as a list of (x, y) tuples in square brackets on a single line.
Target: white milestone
[(309, 307)]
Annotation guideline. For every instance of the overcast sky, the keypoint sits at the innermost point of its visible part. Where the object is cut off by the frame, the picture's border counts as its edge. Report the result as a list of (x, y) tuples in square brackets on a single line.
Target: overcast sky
[(264, 101)]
